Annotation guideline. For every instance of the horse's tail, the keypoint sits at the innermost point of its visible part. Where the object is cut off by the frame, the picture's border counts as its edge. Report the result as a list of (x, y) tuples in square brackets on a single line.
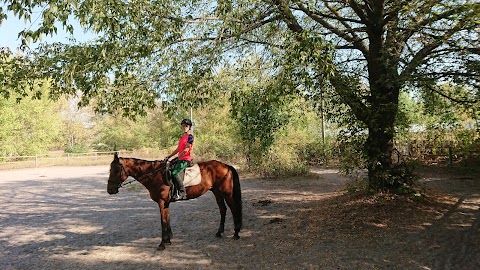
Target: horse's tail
[(237, 198)]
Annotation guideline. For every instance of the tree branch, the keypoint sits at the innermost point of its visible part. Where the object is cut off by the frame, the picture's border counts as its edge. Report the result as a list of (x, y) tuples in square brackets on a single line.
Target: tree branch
[(456, 100), (358, 10), (288, 16), (436, 17), (354, 40), (421, 55)]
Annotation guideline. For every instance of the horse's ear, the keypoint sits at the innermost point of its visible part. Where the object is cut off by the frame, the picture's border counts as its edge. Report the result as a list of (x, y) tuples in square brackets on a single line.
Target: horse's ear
[(115, 156)]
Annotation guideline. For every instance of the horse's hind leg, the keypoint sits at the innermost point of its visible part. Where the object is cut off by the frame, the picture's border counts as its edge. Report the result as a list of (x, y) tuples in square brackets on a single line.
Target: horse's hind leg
[(236, 219), (223, 211)]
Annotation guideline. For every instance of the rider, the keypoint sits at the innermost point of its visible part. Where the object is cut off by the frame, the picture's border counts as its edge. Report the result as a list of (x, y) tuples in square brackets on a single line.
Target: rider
[(184, 150)]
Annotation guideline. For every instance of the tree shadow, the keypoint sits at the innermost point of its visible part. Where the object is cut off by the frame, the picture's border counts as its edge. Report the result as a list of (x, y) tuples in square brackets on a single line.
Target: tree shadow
[(309, 223)]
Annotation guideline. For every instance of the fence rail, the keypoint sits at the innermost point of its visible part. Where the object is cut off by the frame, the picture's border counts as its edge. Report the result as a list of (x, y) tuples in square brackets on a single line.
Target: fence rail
[(58, 159), (436, 154)]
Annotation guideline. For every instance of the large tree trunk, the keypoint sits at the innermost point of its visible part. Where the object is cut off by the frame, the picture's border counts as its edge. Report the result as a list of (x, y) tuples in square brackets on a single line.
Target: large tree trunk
[(382, 107), (378, 151), (378, 114), (378, 148)]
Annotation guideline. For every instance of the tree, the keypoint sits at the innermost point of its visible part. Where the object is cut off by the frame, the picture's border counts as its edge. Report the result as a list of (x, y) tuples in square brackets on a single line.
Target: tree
[(123, 133), (259, 106), (29, 126), (366, 50), (78, 129)]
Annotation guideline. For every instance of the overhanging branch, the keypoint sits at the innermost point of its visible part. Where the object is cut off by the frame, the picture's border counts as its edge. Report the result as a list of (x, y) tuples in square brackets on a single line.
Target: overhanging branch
[(456, 100)]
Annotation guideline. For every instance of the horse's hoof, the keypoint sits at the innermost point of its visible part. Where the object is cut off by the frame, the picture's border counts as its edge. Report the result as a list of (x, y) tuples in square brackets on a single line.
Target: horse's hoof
[(219, 235), (161, 247), (236, 237)]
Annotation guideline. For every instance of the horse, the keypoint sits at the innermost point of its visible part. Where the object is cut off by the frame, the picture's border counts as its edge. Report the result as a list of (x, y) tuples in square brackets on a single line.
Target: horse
[(220, 178)]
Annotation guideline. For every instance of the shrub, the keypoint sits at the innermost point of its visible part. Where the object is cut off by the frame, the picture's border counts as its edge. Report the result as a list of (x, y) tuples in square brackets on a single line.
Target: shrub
[(77, 149), (281, 160)]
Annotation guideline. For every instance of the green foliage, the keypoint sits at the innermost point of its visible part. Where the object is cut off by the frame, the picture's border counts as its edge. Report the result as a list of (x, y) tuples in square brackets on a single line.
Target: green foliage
[(162, 131), (403, 177), (102, 147), (216, 133), (76, 149), (122, 133), (357, 184), (29, 126), (438, 120), (19, 77), (281, 160), (409, 113), (447, 114), (79, 127), (259, 105), (350, 152), (260, 114)]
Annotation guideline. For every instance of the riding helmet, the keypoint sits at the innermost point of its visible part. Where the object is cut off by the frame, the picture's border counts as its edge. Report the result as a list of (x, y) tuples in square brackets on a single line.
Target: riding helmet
[(187, 122)]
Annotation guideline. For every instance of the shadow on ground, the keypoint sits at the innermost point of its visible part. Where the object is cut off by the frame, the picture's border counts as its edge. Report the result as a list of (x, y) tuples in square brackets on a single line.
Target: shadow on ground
[(53, 221)]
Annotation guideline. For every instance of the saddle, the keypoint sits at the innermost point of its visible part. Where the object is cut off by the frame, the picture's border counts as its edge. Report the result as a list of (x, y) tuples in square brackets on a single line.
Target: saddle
[(190, 176)]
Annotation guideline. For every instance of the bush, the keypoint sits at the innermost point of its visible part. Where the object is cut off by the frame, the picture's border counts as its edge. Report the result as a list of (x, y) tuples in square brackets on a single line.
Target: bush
[(102, 147), (281, 160), (76, 149), (216, 146)]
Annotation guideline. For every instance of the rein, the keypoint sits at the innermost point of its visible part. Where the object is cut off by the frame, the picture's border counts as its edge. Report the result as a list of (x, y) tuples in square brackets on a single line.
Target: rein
[(127, 182), (140, 180)]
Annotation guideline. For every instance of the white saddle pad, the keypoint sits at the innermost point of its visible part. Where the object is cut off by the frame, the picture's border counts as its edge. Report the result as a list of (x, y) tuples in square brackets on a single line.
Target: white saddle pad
[(192, 176)]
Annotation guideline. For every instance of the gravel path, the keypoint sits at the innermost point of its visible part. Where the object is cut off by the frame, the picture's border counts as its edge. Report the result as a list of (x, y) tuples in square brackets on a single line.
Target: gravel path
[(63, 218)]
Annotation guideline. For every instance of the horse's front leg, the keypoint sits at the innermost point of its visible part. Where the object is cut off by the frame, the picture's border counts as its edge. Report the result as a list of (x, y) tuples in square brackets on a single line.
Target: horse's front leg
[(165, 221)]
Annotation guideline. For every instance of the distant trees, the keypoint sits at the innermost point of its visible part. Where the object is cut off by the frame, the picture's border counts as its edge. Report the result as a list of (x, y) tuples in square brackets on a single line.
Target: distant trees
[(29, 126)]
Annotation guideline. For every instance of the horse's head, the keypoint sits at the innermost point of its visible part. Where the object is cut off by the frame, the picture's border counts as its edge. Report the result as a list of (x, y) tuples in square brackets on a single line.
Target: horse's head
[(117, 175)]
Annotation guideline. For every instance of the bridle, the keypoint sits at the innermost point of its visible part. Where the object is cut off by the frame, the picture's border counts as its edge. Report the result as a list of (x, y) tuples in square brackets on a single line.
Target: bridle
[(122, 183), (124, 172)]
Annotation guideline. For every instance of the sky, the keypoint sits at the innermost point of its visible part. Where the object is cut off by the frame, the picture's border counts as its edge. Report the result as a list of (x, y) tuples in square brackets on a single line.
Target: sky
[(10, 28)]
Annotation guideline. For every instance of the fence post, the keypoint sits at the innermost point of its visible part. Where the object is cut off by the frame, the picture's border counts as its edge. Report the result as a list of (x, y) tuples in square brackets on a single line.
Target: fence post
[(450, 156), (36, 158)]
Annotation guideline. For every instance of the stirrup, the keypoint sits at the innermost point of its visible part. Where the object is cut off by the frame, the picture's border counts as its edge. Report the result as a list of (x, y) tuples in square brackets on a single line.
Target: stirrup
[(178, 197)]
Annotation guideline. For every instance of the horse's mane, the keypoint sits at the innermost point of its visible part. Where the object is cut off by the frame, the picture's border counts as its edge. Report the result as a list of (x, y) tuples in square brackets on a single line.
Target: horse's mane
[(141, 160), (142, 163)]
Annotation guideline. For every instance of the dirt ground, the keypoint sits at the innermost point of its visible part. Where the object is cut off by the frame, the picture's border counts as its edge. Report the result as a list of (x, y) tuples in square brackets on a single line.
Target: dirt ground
[(63, 218)]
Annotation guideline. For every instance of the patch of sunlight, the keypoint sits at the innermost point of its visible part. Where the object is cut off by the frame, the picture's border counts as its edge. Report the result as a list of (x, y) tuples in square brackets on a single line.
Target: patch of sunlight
[(323, 171), (273, 216), (79, 226), (19, 235), (469, 206), (301, 196), (431, 179), (378, 225), (131, 254), (460, 225)]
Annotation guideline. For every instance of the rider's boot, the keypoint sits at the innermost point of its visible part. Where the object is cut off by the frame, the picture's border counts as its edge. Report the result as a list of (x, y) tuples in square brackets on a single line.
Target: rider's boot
[(181, 193)]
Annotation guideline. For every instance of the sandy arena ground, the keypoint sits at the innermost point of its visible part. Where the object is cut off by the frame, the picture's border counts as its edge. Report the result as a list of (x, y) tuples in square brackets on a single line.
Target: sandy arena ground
[(63, 218)]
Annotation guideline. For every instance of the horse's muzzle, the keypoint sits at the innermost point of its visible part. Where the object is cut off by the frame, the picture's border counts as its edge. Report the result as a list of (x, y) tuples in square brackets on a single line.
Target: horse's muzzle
[(112, 191)]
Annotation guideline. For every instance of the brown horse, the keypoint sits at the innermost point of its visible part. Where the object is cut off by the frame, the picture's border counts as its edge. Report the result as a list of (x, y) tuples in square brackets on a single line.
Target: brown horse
[(220, 178)]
